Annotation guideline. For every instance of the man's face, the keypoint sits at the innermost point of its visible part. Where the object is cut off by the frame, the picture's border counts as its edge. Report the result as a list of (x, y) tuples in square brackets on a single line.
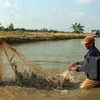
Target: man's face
[(89, 45)]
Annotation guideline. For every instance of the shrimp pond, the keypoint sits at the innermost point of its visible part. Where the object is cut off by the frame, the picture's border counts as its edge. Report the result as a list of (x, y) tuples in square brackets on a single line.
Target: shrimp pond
[(53, 56)]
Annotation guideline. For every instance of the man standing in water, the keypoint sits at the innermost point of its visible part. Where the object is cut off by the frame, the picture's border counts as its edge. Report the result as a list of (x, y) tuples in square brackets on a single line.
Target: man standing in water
[(90, 65)]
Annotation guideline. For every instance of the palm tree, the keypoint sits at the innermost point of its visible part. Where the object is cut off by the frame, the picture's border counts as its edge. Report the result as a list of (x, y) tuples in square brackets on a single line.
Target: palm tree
[(80, 28), (77, 28), (74, 27)]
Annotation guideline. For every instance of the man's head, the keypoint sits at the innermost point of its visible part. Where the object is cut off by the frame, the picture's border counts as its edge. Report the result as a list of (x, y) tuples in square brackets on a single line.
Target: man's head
[(89, 42)]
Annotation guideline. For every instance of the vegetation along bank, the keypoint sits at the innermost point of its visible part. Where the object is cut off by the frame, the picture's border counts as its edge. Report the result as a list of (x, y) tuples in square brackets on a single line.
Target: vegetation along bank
[(22, 37)]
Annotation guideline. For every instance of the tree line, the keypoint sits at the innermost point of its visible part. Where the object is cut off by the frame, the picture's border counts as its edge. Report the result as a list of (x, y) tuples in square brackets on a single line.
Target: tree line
[(77, 28), (11, 28)]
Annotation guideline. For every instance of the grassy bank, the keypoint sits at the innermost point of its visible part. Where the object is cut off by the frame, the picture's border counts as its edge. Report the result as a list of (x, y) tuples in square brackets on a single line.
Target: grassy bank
[(14, 37)]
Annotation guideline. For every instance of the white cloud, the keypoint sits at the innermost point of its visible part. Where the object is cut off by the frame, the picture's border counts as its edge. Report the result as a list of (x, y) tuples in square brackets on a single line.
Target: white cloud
[(80, 13), (84, 1), (8, 4), (76, 14)]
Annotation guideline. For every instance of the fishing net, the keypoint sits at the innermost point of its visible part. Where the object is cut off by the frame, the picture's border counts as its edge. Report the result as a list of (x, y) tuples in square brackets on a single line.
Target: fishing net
[(23, 72)]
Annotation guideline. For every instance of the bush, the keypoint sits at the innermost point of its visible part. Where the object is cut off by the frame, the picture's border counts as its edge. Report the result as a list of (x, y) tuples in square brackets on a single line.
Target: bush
[(19, 32)]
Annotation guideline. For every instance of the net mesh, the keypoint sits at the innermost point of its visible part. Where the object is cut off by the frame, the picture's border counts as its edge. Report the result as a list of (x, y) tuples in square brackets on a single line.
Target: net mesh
[(26, 73)]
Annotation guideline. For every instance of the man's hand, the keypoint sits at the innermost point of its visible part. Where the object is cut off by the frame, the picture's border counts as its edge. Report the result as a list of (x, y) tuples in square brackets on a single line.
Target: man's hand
[(72, 66)]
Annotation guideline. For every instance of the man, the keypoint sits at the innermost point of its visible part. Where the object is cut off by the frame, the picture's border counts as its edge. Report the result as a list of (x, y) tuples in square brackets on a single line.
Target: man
[(90, 65)]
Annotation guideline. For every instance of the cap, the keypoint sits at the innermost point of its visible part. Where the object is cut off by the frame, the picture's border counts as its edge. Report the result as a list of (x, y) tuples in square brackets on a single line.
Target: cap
[(88, 39)]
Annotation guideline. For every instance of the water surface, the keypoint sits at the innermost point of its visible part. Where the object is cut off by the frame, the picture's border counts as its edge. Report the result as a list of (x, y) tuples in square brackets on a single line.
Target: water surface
[(53, 54)]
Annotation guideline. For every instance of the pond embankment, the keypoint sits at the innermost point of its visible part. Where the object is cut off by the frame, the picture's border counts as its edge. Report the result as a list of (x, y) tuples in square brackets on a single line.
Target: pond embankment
[(13, 37)]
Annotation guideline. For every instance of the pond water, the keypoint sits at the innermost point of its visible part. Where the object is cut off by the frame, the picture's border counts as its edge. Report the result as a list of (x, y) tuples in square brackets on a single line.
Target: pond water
[(53, 54)]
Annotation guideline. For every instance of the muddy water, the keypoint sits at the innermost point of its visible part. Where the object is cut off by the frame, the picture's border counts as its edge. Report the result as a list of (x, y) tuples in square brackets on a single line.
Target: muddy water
[(17, 93), (55, 55)]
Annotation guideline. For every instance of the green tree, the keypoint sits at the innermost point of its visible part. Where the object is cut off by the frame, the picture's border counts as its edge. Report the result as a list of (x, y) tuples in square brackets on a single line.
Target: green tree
[(77, 28), (44, 30), (1, 28), (11, 27)]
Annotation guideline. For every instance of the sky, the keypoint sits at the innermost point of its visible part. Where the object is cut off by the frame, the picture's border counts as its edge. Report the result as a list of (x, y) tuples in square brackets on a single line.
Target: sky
[(50, 14)]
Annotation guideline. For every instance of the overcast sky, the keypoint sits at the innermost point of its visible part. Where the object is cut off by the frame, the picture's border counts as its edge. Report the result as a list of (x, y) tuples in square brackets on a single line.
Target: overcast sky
[(50, 14)]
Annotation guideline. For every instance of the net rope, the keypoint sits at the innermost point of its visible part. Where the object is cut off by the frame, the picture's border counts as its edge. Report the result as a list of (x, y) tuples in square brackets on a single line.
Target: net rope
[(27, 73)]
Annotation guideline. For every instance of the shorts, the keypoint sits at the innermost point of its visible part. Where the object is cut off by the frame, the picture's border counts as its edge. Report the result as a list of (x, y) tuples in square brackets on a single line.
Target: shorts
[(87, 84)]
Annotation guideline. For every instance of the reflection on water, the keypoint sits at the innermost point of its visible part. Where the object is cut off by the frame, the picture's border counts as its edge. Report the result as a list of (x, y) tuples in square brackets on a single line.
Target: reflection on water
[(52, 54)]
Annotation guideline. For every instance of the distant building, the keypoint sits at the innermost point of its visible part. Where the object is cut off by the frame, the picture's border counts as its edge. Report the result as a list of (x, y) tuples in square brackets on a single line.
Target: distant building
[(97, 32)]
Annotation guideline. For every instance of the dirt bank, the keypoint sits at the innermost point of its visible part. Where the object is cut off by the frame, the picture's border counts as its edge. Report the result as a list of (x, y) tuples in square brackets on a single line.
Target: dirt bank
[(17, 93), (13, 37)]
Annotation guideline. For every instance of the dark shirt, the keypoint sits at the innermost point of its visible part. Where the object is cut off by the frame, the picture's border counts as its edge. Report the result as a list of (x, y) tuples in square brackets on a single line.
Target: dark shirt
[(88, 68)]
